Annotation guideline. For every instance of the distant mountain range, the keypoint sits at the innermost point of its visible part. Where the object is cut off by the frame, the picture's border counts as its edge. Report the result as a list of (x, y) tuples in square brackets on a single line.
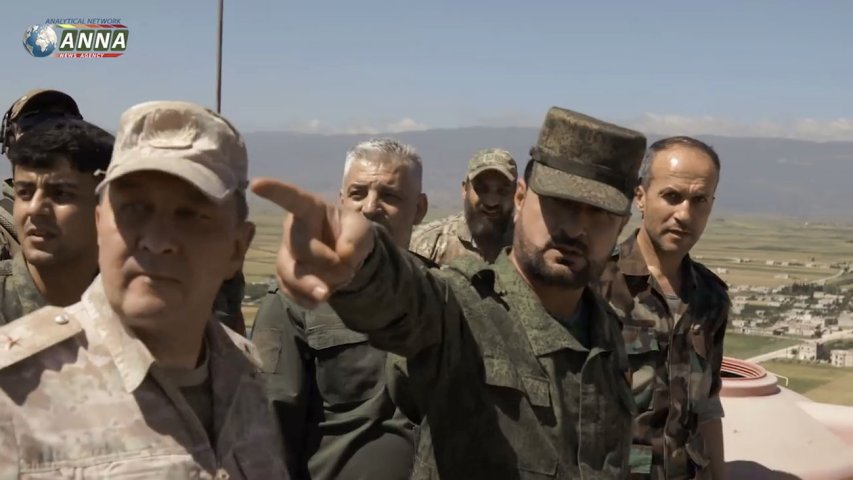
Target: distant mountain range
[(760, 176)]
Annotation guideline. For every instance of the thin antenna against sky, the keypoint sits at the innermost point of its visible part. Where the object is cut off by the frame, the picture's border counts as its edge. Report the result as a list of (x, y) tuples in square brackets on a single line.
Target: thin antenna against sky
[(219, 62)]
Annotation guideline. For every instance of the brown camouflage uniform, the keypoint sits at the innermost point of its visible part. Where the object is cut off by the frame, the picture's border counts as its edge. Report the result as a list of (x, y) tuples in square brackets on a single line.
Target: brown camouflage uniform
[(20, 295), (443, 240), (505, 389), (675, 358), (79, 399)]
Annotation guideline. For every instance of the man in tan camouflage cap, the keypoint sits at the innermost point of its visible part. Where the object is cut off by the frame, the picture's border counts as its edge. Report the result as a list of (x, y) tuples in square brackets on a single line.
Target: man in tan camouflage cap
[(484, 227), (517, 369), (137, 379)]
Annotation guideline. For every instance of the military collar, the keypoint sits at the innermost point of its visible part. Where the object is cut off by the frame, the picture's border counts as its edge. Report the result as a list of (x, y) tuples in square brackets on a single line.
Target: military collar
[(463, 232), (632, 263), (31, 299), (545, 333), (132, 358)]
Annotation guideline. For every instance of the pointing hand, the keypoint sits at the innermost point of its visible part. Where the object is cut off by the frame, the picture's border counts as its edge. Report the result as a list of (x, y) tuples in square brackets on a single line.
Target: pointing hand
[(322, 246)]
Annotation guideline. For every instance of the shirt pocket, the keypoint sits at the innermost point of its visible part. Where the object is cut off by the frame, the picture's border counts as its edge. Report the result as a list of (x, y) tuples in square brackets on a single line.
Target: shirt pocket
[(177, 465), (348, 369), (701, 376), (521, 424), (643, 351)]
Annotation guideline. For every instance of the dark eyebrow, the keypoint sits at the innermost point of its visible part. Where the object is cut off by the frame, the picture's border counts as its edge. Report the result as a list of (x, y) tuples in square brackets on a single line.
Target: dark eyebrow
[(61, 183)]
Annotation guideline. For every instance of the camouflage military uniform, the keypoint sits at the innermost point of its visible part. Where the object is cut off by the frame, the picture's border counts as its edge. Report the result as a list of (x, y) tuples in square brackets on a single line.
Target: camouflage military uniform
[(79, 398), (20, 295), (443, 240), (506, 390), (9, 245), (675, 357), (228, 304), (327, 386)]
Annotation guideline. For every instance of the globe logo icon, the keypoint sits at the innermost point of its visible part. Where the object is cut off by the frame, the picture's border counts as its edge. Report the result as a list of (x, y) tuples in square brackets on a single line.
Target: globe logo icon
[(40, 40)]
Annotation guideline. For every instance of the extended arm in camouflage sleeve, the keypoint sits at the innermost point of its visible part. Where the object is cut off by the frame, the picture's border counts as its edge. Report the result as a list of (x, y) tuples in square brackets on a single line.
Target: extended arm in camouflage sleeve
[(279, 335), (401, 305)]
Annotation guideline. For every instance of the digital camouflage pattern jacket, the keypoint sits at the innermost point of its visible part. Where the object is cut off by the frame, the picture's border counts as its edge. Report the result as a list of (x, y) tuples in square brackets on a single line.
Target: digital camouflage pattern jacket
[(505, 390)]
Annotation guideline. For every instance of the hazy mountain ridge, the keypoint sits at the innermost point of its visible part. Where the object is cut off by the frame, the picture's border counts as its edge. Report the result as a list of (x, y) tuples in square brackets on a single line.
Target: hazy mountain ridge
[(759, 175)]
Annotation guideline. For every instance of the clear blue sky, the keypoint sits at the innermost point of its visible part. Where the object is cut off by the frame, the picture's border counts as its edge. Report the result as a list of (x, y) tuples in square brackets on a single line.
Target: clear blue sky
[(334, 66)]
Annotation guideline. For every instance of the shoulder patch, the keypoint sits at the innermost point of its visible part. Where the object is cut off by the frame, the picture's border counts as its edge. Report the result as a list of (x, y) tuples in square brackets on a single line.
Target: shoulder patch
[(36, 332), (245, 345), (6, 268)]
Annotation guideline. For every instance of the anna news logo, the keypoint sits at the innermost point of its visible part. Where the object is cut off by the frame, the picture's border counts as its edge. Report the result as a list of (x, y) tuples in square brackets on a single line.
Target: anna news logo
[(77, 38)]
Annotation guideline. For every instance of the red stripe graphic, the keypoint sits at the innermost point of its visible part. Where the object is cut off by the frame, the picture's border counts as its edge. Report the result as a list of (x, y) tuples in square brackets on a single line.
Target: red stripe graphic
[(87, 55)]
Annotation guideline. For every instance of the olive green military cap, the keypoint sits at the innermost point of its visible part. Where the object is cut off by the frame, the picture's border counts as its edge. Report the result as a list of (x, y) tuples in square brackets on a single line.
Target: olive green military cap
[(586, 160), (182, 139), (42, 99), (492, 159), (33, 108)]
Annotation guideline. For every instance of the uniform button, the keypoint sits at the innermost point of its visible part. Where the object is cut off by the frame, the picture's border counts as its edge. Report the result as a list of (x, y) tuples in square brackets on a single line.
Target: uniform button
[(221, 474), (61, 319)]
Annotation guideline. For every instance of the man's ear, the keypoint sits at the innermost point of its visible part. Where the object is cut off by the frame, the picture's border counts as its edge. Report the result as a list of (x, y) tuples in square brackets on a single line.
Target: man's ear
[(242, 242), (625, 221), (640, 198), (423, 207), (518, 198), (98, 221)]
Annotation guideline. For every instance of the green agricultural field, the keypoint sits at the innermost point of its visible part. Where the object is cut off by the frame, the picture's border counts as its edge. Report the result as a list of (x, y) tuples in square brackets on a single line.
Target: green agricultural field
[(821, 383), (757, 241), (753, 241), (249, 312), (742, 346)]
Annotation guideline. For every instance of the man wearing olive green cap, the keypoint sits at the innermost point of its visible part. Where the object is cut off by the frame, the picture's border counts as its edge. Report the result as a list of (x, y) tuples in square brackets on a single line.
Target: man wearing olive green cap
[(516, 368), (484, 227), (139, 379), (34, 108)]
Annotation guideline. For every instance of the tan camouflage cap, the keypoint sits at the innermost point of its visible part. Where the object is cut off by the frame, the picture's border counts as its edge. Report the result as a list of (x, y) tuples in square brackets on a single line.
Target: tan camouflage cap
[(182, 139), (587, 160), (492, 159)]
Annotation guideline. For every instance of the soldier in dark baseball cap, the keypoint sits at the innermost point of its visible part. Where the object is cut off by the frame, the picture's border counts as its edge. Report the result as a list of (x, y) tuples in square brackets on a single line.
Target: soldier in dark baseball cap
[(35, 107)]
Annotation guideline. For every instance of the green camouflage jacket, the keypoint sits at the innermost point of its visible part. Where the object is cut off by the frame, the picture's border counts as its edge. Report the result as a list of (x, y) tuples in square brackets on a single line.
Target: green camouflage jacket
[(20, 295), (79, 399), (675, 359), (9, 244), (504, 389), (443, 240), (327, 388)]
